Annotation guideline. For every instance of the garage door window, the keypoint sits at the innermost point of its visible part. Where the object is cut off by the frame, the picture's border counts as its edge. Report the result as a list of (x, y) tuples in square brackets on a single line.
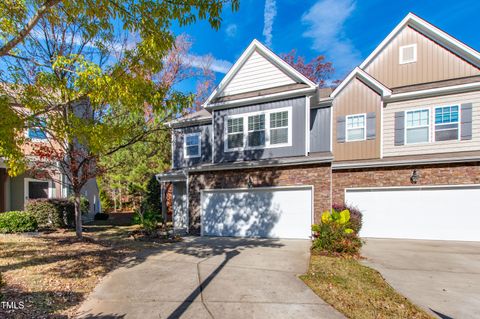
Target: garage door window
[(417, 126)]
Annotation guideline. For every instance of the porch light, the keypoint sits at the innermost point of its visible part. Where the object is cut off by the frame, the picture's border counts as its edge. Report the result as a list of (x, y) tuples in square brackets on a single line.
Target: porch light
[(250, 182), (414, 177)]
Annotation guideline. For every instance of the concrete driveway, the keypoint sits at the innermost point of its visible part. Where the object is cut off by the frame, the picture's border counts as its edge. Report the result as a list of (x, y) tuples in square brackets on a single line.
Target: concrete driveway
[(211, 278), (443, 277)]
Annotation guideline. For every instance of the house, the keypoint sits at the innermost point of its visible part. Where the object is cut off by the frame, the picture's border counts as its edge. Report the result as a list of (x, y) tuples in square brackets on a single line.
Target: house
[(399, 138), (40, 180)]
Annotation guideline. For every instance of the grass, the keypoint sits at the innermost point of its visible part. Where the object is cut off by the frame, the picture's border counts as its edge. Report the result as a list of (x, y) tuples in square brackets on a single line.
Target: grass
[(52, 273), (357, 291)]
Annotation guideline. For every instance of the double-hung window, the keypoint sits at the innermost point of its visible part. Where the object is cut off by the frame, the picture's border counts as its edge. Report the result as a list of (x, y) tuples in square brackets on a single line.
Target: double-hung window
[(417, 126), (446, 123), (235, 133), (256, 130), (192, 145), (355, 127), (38, 132), (279, 128)]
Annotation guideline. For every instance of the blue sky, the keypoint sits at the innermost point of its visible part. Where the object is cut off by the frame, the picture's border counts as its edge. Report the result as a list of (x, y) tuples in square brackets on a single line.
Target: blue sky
[(345, 31)]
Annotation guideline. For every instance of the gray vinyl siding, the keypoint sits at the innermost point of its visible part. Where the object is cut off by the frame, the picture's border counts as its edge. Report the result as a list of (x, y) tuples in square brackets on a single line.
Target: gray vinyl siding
[(320, 120), (17, 192), (298, 132), (179, 161)]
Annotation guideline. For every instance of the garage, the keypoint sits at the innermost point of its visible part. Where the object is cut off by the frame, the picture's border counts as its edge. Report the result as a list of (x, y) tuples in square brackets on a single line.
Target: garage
[(441, 213), (269, 212)]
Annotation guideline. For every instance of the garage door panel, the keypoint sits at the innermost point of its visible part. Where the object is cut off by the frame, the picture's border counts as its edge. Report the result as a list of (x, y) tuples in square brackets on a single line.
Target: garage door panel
[(443, 213), (274, 213)]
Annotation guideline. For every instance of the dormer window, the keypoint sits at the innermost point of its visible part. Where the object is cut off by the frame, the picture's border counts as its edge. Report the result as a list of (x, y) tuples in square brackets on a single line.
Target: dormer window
[(408, 54)]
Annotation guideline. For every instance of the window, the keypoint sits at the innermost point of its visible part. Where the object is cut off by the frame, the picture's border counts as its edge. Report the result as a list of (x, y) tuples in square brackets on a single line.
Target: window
[(192, 145), (235, 133), (279, 128), (408, 54), (256, 130), (38, 132), (265, 129), (417, 126), (446, 123), (355, 127)]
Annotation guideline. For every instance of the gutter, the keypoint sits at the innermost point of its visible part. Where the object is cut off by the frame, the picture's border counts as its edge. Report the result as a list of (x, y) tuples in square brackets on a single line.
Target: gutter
[(191, 122), (340, 166)]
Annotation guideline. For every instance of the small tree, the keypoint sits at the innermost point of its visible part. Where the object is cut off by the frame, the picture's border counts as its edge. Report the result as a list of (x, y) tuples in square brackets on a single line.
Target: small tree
[(317, 70), (153, 197)]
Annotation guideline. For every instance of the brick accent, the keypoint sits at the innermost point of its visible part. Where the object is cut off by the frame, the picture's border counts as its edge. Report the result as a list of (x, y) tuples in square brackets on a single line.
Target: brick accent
[(441, 174), (317, 175)]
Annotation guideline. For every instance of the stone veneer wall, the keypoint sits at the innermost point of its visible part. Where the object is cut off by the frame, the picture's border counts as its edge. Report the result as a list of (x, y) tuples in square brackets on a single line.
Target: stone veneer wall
[(444, 174), (318, 175)]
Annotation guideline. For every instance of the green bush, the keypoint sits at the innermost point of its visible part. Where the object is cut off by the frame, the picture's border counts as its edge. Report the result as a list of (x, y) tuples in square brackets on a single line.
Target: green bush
[(52, 213), (17, 222), (106, 201), (149, 221), (84, 204), (334, 234)]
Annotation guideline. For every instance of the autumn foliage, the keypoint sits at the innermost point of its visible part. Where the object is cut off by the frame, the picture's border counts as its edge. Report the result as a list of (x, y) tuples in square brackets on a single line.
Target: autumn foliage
[(316, 70)]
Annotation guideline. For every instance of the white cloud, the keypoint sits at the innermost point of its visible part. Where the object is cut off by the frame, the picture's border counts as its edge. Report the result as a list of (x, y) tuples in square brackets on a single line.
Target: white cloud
[(231, 30), (216, 65), (325, 22), (268, 16)]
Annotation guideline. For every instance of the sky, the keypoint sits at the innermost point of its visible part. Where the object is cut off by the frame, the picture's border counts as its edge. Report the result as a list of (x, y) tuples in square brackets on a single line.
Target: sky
[(344, 31)]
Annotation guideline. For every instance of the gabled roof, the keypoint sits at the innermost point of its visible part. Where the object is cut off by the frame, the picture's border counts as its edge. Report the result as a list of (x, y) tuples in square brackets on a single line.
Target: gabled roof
[(201, 116), (432, 32), (367, 79), (255, 45)]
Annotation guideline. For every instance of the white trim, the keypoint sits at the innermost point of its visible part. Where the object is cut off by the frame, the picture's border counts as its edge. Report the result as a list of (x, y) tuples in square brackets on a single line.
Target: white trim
[(245, 117), (307, 125), (246, 189), (381, 128), (433, 92), (212, 138), (26, 180), (434, 124), (199, 146), (272, 57), (364, 127), (418, 126), (365, 77), (417, 187), (431, 31), (401, 52)]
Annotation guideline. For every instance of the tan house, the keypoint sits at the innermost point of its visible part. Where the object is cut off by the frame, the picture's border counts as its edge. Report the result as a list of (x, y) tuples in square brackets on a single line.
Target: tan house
[(399, 138)]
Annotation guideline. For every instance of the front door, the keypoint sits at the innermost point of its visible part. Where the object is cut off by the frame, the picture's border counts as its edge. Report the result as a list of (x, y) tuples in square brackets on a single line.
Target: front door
[(37, 189)]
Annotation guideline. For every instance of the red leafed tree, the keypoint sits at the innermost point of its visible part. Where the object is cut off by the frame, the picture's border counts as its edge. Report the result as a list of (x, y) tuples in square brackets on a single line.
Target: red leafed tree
[(316, 70)]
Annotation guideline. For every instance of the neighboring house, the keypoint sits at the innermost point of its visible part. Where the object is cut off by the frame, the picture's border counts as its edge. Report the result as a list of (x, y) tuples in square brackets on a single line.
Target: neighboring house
[(399, 138), (39, 182)]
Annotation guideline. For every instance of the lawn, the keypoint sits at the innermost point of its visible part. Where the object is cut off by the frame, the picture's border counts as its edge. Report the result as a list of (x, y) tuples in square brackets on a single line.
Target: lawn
[(357, 291), (52, 273)]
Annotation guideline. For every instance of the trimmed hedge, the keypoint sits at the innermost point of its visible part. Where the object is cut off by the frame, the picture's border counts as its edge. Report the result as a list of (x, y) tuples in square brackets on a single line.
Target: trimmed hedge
[(17, 222), (52, 213)]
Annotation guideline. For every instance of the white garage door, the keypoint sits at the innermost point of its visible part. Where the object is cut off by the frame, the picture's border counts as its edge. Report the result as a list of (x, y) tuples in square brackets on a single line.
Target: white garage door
[(445, 213), (278, 212)]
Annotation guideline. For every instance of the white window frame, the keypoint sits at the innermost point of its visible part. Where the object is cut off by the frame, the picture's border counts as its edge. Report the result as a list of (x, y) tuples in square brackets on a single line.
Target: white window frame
[(458, 122), (26, 181), (429, 126), (267, 130), (199, 146), (364, 127), (401, 58)]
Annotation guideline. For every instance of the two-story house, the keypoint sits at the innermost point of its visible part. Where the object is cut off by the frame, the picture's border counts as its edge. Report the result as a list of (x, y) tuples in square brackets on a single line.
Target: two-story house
[(399, 138)]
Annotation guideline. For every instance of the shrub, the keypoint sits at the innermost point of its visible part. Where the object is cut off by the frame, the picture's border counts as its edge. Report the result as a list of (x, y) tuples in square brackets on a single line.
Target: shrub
[(355, 215), (17, 222), (148, 220), (101, 216), (335, 235), (52, 213), (84, 204), (105, 200)]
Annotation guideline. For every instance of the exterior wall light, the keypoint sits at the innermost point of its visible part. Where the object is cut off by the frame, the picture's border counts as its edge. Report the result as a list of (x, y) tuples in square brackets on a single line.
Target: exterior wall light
[(414, 177), (250, 182)]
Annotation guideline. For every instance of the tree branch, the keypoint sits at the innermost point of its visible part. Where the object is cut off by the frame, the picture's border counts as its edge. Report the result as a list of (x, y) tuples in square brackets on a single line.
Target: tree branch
[(4, 50)]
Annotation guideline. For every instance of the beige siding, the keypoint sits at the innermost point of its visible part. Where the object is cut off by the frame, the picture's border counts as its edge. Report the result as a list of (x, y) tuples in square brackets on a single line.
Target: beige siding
[(256, 74), (356, 98), (434, 63), (389, 149)]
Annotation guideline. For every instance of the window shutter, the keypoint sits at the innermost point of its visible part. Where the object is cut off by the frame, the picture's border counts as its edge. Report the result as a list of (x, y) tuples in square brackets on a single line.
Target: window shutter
[(466, 128), (341, 129), (371, 126), (399, 128)]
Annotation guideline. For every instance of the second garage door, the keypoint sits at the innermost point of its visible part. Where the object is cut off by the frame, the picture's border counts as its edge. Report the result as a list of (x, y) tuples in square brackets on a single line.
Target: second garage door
[(276, 212), (445, 213)]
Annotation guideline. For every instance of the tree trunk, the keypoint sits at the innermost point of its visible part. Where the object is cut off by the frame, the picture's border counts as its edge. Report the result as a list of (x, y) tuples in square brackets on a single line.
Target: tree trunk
[(78, 216)]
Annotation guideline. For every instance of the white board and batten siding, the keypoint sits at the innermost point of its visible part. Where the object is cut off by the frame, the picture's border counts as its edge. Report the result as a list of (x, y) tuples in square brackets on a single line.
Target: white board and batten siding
[(266, 212), (427, 212), (389, 148), (257, 73)]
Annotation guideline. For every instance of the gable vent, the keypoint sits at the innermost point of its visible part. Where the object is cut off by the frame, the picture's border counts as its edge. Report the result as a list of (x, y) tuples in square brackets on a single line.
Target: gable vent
[(408, 53)]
